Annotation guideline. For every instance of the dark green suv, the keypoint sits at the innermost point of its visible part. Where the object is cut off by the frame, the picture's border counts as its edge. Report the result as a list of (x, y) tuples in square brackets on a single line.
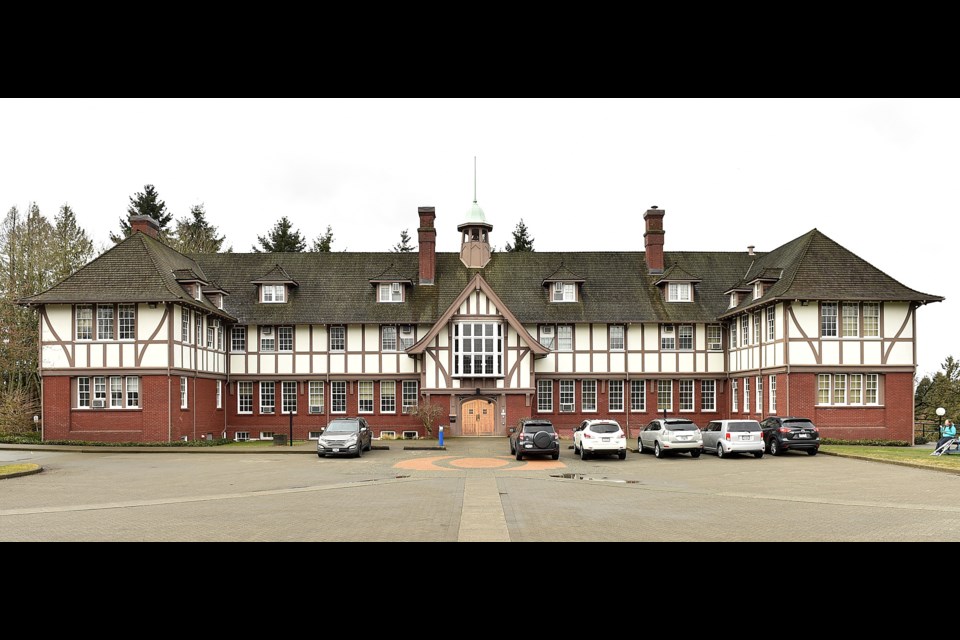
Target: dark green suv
[(534, 436), (786, 434)]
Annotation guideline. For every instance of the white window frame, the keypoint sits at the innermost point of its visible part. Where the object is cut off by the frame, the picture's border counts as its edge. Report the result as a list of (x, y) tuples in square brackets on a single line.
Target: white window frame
[(772, 384), (771, 324), (268, 339), (244, 393), (615, 396), (735, 397), (184, 394), (588, 396), (839, 395), (664, 391), (745, 330), (685, 337), (99, 392), (568, 396), (758, 394), (273, 293), (406, 336), (365, 396), (828, 320), (338, 338), (746, 395), (198, 334), (544, 396), (284, 339), (338, 396), (668, 337), (126, 322), (686, 394), (83, 392), (238, 339), (268, 392), (116, 392), (105, 328), (850, 320), (288, 390), (315, 389), (757, 290), (871, 389), (185, 322), (410, 398), (871, 311), (733, 334), (757, 328), (84, 322), (466, 358), (708, 395), (548, 336), (679, 292), (824, 386), (388, 337), (714, 337), (241, 436), (638, 390), (391, 292), (617, 337), (564, 292), (388, 396), (219, 394), (564, 337), (855, 389)]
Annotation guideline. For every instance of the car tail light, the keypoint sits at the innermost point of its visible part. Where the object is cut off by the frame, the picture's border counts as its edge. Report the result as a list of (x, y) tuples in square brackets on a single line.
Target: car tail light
[(587, 435), (521, 436), (726, 436), (784, 429), (815, 430), (621, 434), (556, 436)]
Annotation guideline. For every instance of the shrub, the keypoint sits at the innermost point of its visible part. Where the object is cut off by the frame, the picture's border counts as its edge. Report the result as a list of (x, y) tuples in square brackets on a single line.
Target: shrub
[(17, 408), (867, 443)]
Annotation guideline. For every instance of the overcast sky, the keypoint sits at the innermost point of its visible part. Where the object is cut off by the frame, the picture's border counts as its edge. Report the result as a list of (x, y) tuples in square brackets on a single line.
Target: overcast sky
[(877, 175)]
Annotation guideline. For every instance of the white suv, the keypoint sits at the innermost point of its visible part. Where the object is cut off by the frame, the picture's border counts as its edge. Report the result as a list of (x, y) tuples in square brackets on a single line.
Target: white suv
[(724, 437), (599, 437), (671, 435)]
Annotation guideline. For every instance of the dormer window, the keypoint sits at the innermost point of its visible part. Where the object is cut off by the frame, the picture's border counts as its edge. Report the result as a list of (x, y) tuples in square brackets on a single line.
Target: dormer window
[(734, 299), (391, 292), (273, 293), (564, 292), (757, 290), (678, 292)]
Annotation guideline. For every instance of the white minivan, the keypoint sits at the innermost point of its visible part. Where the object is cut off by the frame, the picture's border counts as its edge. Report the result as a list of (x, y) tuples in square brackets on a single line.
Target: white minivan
[(724, 437)]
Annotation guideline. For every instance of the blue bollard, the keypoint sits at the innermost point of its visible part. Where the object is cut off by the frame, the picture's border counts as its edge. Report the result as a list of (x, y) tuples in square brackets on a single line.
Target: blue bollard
[(441, 435)]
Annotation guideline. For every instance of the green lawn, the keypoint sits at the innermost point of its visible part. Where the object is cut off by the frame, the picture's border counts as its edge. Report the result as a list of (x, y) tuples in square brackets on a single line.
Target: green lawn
[(910, 456)]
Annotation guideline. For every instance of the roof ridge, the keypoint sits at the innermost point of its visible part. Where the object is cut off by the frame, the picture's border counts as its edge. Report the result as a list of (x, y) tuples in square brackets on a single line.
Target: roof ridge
[(153, 258), (803, 254)]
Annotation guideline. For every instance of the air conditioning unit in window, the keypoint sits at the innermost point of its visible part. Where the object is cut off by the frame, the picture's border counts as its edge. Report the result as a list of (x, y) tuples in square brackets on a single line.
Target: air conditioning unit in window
[(409, 410), (406, 330), (314, 408), (99, 404), (267, 331), (546, 332), (396, 287), (668, 328)]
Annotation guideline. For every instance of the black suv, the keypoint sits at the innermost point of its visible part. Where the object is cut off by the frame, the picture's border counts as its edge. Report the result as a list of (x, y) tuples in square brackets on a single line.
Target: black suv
[(534, 436), (345, 437), (785, 434)]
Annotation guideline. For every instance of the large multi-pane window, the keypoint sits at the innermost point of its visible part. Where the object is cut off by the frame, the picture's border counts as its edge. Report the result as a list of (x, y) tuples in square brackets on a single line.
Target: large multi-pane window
[(871, 388), (773, 394), (548, 336), (771, 323), (564, 292), (708, 395), (244, 396), (545, 396), (100, 392), (219, 326), (685, 337), (388, 396), (745, 330), (840, 389), (104, 322), (588, 395), (406, 336), (388, 338), (828, 319), (268, 397), (116, 392), (851, 320), (268, 339), (198, 335), (734, 395), (478, 349), (410, 396), (564, 337), (638, 395), (365, 396), (284, 338), (273, 292), (288, 396), (338, 339), (338, 396), (125, 317), (238, 339), (316, 396), (871, 319), (184, 324), (733, 334), (855, 389), (615, 395), (664, 395), (757, 328), (855, 395), (714, 342), (686, 395), (567, 400), (823, 388), (184, 399), (616, 337), (211, 334), (219, 394), (84, 322), (746, 395), (83, 392), (678, 292), (667, 338), (391, 292), (759, 394)]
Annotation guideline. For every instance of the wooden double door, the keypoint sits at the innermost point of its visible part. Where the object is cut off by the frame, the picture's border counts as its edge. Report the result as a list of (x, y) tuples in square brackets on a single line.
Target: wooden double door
[(478, 418)]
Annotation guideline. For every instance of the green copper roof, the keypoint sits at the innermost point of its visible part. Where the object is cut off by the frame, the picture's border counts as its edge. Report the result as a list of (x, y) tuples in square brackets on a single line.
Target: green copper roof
[(475, 216)]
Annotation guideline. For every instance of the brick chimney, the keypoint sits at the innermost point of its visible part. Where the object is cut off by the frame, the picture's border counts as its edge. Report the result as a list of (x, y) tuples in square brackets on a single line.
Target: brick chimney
[(144, 224), (653, 239), (427, 239)]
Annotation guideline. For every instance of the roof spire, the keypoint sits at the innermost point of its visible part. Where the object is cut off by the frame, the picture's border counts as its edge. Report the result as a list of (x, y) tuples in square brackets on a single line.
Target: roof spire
[(474, 179)]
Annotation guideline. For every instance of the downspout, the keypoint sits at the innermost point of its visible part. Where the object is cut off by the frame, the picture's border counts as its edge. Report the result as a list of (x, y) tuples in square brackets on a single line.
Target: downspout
[(169, 361), (40, 369)]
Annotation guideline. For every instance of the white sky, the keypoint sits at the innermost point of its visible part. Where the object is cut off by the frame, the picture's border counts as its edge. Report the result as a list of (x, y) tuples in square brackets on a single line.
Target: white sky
[(877, 175)]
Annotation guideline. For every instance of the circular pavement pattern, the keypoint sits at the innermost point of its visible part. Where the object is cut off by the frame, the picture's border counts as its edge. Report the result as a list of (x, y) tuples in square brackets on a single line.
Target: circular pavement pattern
[(456, 463)]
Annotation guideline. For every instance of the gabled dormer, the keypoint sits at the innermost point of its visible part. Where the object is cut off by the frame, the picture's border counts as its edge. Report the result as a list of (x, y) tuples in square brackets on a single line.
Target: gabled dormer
[(764, 280), (215, 294), (676, 285), (737, 295), (391, 285), (275, 286), (192, 283), (563, 285)]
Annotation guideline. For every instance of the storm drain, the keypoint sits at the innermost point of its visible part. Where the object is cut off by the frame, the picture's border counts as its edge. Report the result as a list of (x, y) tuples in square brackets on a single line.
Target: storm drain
[(583, 476)]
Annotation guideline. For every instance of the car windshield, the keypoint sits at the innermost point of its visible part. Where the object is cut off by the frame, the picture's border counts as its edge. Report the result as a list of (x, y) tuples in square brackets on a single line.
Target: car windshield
[(798, 424), (604, 427), (343, 426), (684, 425), (734, 427), (533, 428)]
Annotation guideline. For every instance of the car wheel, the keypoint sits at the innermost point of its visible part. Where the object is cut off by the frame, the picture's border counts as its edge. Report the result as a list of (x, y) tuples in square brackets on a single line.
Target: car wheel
[(720, 450), (519, 453), (812, 452), (556, 455), (774, 447), (758, 454), (512, 450), (583, 454), (320, 455), (360, 450), (576, 450), (695, 454), (657, 451), (622, 455), (639, 445)]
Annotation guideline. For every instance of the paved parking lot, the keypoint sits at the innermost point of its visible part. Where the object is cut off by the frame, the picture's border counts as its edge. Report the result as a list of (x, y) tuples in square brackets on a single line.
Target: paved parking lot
[(473, 491)]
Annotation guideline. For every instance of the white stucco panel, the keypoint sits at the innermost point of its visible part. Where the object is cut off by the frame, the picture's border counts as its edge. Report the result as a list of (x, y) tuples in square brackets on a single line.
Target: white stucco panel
[(565, 362), (872, 352), (685, 363), (155, 356), (319, 338), (354, 363), (354, 337), (830, 352), (901, 354), (893, 317), (668, 363), (238, 364), (715, 362), (285, 363), (371, 363), (268, 365), (583, 363), (129, 355), (545, 365), (851, 352), (319, 364), (635, 362), (390, 363), (61, 319), (651, 363), (800, 353), (252, 365), (599, 337), (53, 357), (302, 363), (617, 362), (581, 336), (149, 320), (651, 336)]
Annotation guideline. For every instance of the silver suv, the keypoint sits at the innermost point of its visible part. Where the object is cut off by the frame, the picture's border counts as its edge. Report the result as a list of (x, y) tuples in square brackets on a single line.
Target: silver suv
[(724, 437), (671, 435), (345, 437)]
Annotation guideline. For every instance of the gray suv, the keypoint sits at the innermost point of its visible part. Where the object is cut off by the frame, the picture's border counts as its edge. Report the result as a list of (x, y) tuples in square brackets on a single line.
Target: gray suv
[(345, 437), (534, 436)]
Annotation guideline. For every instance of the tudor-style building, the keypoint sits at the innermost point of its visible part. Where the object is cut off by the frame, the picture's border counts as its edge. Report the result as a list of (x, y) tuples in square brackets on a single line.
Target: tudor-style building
[(145, 344)]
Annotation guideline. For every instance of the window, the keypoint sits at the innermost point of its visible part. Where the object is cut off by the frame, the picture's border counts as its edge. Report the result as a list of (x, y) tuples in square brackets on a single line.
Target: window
[(757, 328), (567, 400), (338, 396), (406, 336), (848, 389), (219, 335), (851, 320), (388, 396), (823, 388), (565, 337), (871, 319), (284, 338), (83, 392), (757, 290), (219, 394), (273, 293), (871, 392), (211, 333), (545, 396), (759, 394), (338, 339), (244, 396), (183, 393), (478, 349), (238, 339), (638, 395), (84, 322), (99, 392), (104, 322), (733, 334), (746, 395), (288, 396), (564, 292), (391, 292), (388, 338), (616, 337), (828, 319), (667, 339), (268, 340), (856, 388), (678, 292), (365, 396), (733, 395), (713, 338), (198, 336), (771, 323), (184, 324), (588, 395), (242, 436), (615, 395), (708, 395), (685, 337), (127, 328), (664, 395), (840, 389), (547, 337), (686, 395), (734, 300), (410, 396), (744, 330), (268, 397), (116, 392), (772, 383), (316, 396)]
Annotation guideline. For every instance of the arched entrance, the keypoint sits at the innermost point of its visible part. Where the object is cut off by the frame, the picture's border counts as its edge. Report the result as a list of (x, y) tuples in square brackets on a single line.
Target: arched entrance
[(478, 418)]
